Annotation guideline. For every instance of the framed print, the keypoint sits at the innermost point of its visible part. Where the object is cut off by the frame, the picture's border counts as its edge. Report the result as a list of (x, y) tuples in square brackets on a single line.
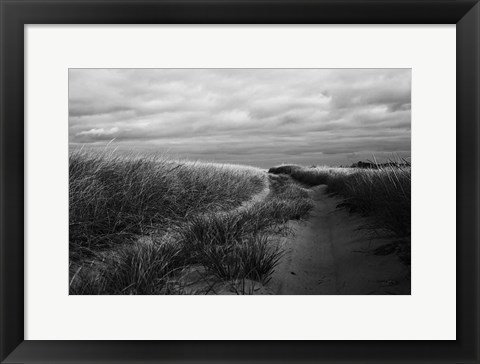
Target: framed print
[(239, 181)]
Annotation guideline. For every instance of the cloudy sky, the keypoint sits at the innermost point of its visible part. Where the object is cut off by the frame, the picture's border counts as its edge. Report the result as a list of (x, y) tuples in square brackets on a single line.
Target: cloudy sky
[(252, 116)]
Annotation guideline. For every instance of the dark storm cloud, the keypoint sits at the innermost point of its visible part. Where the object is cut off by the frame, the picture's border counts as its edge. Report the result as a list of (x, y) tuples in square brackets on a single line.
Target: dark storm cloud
[(254, 114)]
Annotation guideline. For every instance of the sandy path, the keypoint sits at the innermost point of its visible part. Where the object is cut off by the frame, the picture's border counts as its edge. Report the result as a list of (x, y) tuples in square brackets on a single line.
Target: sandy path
[(327, 255), (259, 197)]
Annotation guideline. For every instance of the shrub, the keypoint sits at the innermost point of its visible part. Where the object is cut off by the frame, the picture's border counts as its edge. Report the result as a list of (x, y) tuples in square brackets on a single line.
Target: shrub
[(284, 169)]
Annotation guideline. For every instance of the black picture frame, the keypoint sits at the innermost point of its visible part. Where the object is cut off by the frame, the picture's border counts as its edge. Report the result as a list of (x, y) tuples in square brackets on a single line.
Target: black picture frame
[(17, 13)]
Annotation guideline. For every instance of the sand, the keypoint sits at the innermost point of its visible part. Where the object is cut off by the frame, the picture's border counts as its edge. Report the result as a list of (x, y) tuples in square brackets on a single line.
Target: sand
[(329, 255)]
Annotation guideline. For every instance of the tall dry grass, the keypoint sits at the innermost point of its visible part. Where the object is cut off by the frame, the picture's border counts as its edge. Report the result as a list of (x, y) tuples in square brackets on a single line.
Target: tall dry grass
[(187, 210), (114, 198)]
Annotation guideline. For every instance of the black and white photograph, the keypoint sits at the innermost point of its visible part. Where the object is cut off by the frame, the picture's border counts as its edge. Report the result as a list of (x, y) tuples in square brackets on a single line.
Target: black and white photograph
[(239, 181)]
